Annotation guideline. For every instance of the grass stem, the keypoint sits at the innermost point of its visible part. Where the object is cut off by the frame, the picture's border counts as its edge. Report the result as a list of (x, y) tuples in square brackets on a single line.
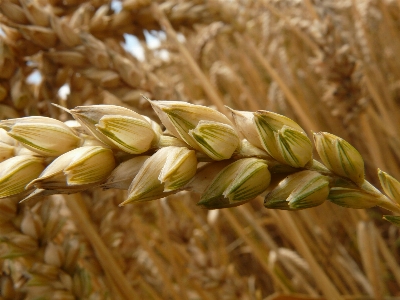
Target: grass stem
[(208, 88), (105, 257)]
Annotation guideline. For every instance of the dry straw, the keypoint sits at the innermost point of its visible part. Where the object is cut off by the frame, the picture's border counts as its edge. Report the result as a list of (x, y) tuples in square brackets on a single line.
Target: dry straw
[(330, 67)]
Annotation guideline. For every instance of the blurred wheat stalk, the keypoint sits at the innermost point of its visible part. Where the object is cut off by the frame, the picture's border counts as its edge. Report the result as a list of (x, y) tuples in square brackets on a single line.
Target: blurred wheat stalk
[(330, 65)]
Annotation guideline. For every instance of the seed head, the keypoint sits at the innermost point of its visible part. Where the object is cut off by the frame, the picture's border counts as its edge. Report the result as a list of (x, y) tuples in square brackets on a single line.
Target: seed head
[(54, 255), (18, 245), (121, 177), (65, 33), (118, 127), (31, 224), (129, 72), (76, 170), (340, 157), (294, 146), (283, 139), (180, 166), (14, 12), (16, 172), (181, 117), (217, 140), (245, 123), (390, 185), (6, 151), (237, 183), (298, 191), (82, 284), (41, 36), (352, 197), (129, 134), (35, 13), (169, 169), (45, 136)]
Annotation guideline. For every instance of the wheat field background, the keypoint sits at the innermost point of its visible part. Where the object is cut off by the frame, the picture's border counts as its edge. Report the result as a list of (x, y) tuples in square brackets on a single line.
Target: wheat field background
[(330, 65)]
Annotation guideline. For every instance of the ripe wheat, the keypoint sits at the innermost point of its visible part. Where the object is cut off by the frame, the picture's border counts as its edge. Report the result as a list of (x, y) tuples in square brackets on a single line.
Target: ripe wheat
[(330, 65), (228, 162)]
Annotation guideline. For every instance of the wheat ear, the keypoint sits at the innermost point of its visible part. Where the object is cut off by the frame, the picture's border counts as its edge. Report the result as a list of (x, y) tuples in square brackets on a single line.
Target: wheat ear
[(228, 162)]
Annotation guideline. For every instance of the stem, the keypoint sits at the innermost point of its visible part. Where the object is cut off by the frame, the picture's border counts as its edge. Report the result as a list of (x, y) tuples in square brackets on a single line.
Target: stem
[(258, 251), (311, 9), (244, 211), (308, 41), (383, 201), (104, 256), (306, 120), (158, 262), (176, 269), (389, 205), (369, 257), (329, 290), (208, 88)]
